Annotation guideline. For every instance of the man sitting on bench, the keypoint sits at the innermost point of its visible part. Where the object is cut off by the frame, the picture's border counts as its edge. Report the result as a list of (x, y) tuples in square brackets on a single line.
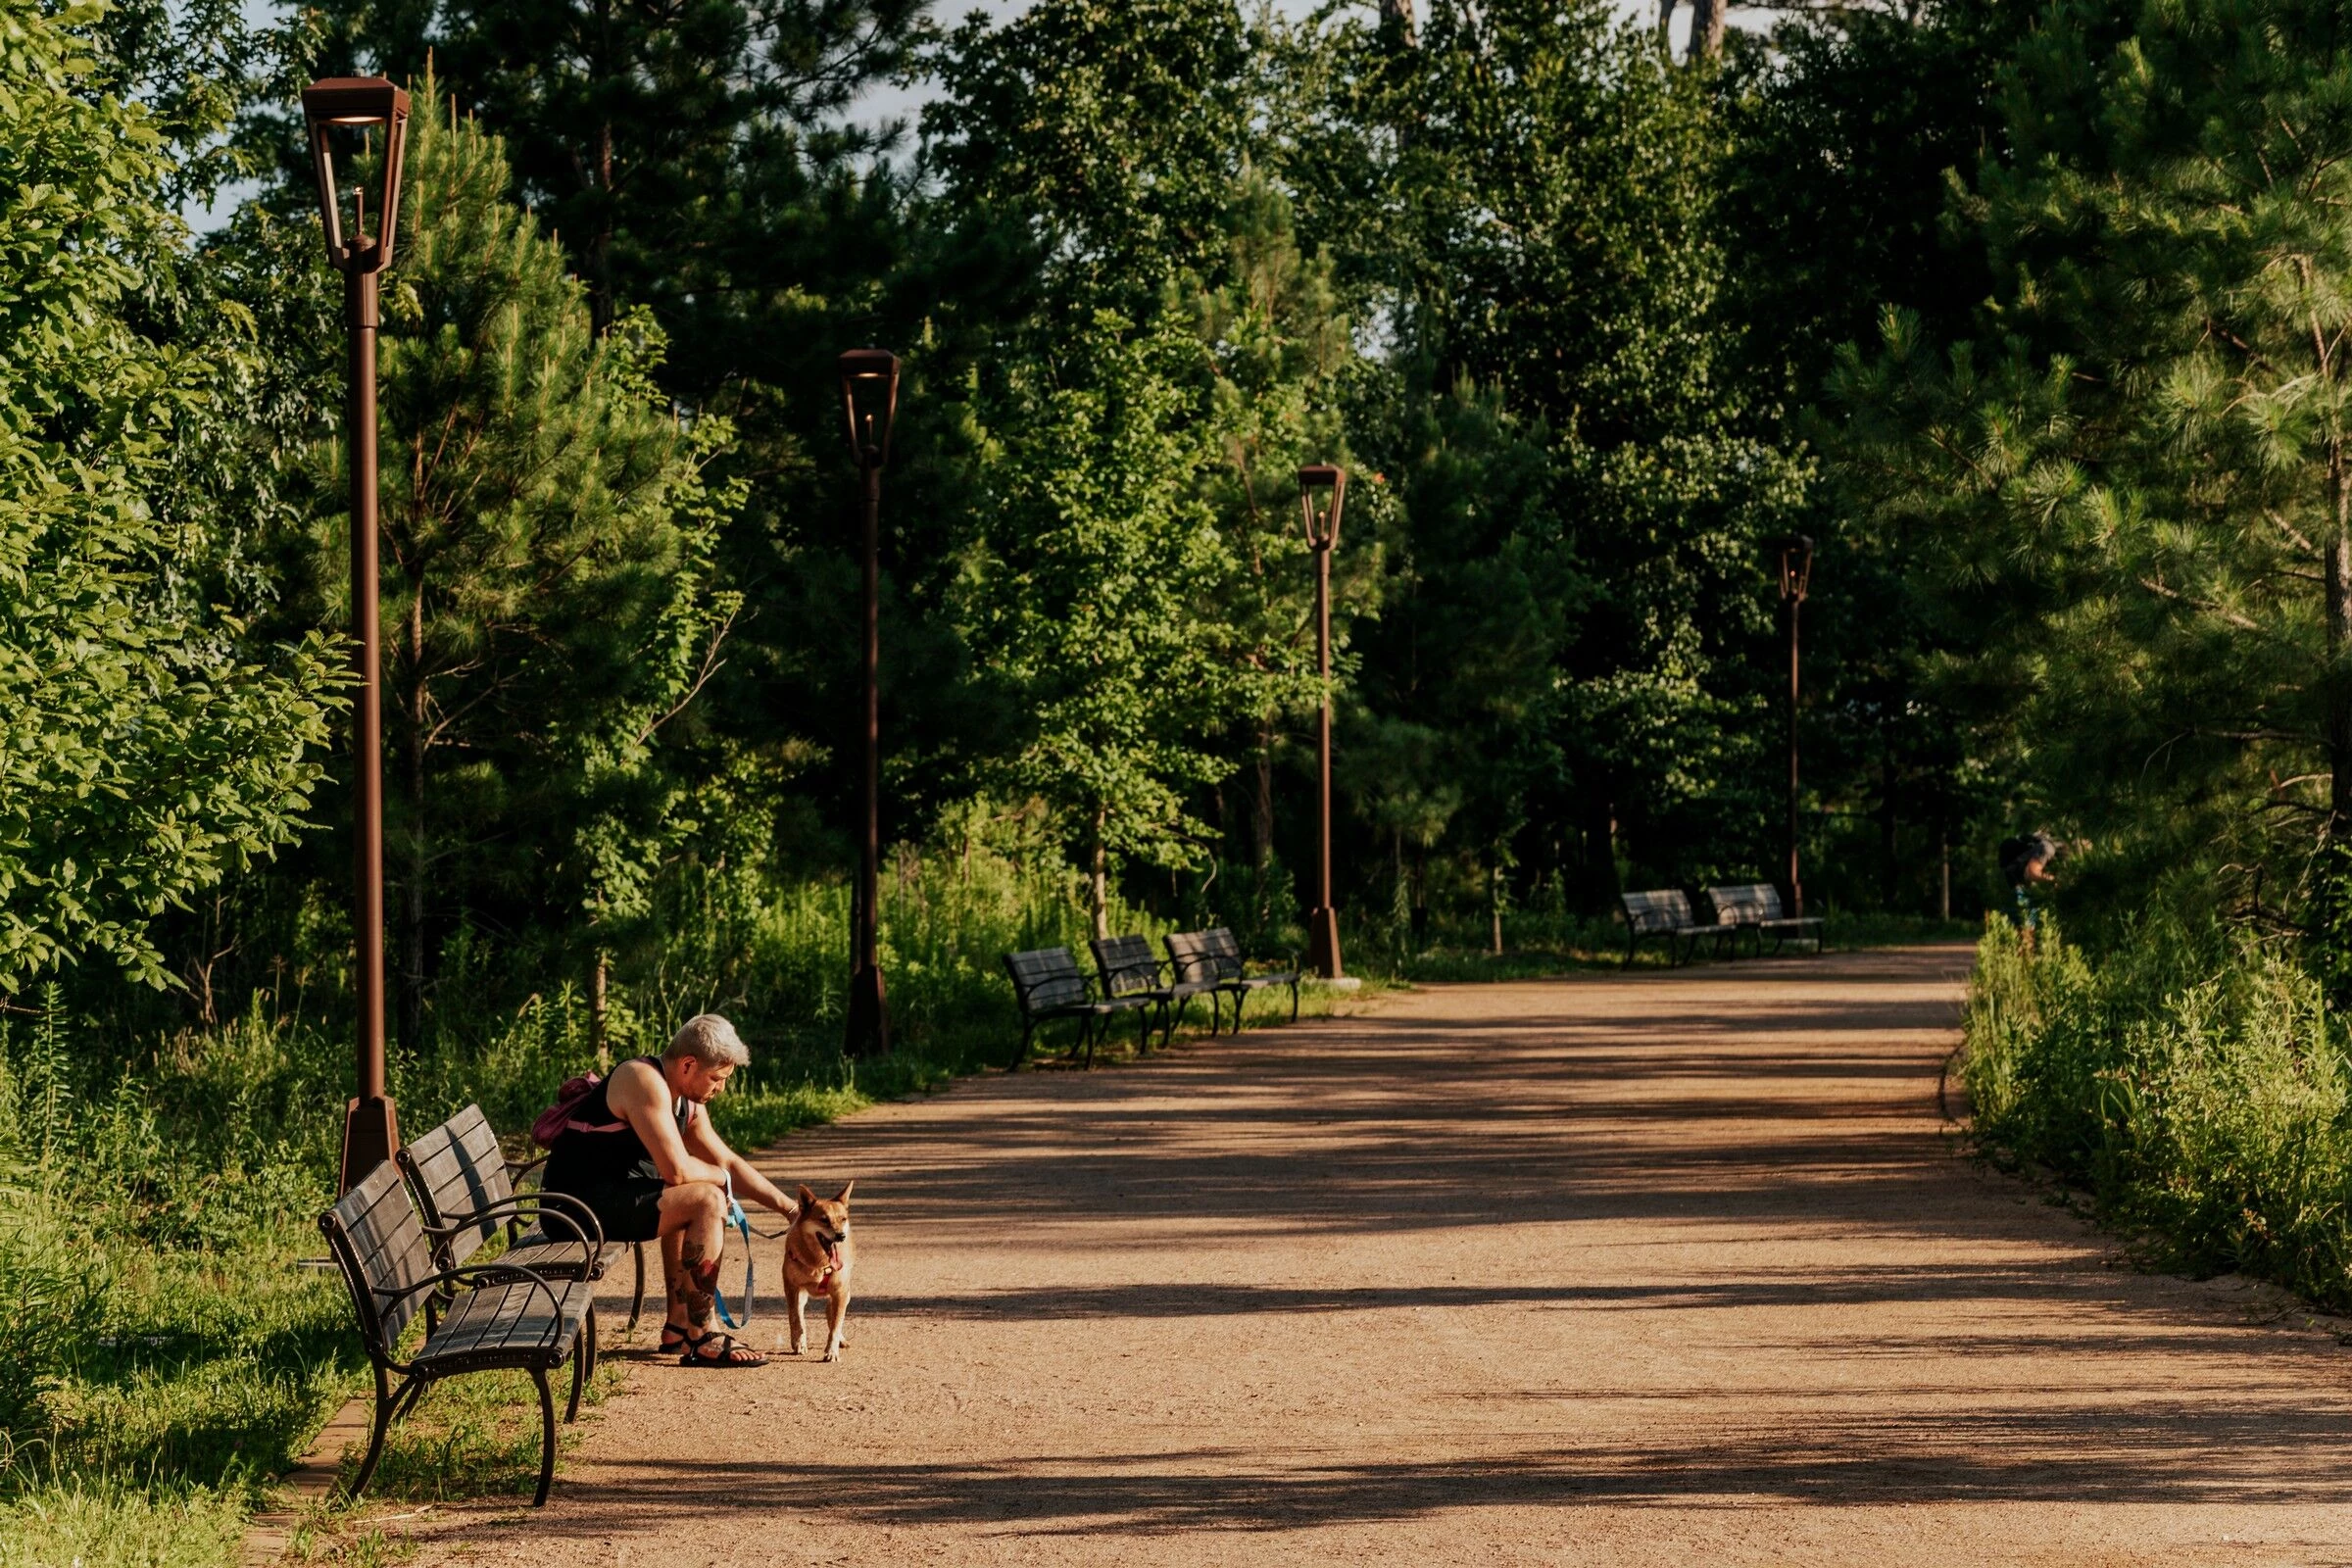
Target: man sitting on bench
[(640, 1150)]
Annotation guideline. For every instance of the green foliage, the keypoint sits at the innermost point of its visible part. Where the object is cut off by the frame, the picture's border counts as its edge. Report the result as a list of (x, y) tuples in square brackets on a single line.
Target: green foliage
[(2192, 1079), (1097, 539), (548, 544), (142, 756), (2135, 474)]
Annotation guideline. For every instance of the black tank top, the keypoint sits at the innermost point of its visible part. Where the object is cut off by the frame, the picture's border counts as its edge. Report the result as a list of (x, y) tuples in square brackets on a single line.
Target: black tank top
[(599, 1149)]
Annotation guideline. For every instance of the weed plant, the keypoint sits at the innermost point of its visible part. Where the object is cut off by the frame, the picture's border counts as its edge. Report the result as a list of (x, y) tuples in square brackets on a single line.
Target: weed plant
[(2191, 1079)]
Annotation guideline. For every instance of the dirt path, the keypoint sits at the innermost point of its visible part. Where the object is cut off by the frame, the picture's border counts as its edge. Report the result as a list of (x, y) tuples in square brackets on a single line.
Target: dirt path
[(1666, 1269)]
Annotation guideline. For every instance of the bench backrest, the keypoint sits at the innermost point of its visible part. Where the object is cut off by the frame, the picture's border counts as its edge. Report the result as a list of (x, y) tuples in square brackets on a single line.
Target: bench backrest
[(1046, 977), (458, 1168), (1662, 911), (1752, 901), (1196, 956), (381, 1248), (1127, 966)]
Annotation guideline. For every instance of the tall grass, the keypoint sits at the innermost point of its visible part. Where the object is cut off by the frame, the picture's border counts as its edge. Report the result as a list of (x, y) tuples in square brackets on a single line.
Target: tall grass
[(2191, 1079), (162, 1355)]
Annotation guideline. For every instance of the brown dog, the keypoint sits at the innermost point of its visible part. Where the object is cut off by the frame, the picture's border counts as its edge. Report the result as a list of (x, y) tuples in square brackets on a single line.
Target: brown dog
[(817, 1259)]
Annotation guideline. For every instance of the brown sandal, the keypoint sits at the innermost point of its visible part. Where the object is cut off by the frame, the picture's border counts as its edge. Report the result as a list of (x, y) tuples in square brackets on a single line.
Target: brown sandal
[(729, 1353)]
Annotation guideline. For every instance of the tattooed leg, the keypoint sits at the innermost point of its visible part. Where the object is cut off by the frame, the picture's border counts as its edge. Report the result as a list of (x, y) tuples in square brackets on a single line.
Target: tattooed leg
[(672, 1276), (698, 1283)]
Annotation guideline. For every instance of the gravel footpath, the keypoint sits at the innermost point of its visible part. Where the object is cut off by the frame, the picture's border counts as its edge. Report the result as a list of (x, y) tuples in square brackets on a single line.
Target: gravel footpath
[(1663, 1269)]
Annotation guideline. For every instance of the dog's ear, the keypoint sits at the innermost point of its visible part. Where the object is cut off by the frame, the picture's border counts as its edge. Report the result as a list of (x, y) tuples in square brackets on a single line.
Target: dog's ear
[(843, 1196), (807, 1198)]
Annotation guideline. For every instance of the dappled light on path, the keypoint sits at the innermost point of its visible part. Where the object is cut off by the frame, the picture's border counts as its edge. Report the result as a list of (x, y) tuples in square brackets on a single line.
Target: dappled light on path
[(1658, 1269)]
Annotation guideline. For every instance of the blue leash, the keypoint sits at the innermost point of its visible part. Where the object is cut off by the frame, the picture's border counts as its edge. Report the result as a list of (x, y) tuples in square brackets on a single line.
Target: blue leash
[(743, 1228)]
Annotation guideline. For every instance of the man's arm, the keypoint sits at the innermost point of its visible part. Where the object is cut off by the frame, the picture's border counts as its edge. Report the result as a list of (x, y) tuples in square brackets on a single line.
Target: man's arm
[(641, 1096), (703, 1139)]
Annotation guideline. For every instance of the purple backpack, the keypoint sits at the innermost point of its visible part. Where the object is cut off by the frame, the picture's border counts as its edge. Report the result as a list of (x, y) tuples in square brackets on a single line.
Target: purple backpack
[(559, 1118)]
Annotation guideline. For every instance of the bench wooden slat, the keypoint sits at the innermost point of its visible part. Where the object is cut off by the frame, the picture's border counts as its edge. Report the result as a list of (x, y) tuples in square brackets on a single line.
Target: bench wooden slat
[(498, 1318)]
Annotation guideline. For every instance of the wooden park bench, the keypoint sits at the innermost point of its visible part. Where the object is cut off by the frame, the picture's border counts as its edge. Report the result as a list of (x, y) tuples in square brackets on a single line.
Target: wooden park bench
[(500, 1316), (1047, 983), (1755, 907), (1665, 913), (1128, 969), (1215, 958), (464, 1185)]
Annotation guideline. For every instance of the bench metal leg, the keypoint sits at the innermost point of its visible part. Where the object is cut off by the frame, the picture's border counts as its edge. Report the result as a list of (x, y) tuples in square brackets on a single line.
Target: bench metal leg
[(1238, 997), (1294, 1001), (376, 1435), (1087, 1033), (546, 1435), (583, 1355), (1021, 1052), (637, 1298)]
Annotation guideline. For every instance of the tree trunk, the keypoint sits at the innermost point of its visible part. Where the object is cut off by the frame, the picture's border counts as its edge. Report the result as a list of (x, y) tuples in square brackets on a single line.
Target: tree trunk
[(1600, 856), (601, 307), (1943, 906), (1666, 24), (411, 904), (1495, 905), (1707, 31), (1397, 15), (1097, 877), (2339, 636), (1890, 867), (595, 1010), (1261, 801)]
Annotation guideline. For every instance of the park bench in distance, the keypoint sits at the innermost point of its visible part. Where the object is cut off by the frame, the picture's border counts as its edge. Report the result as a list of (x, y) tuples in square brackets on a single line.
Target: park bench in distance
[(1664, 912), (464, 1185), (1047, 983), (1128, 969), (502, 1317), (1214, 957), (1755, 907)]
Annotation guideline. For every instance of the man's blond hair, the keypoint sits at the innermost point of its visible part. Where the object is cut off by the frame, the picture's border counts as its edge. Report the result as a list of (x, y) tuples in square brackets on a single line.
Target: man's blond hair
[(711, 1040)]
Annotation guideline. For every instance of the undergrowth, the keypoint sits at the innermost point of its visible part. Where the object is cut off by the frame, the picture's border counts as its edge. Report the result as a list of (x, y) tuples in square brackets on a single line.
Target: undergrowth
[(2191, 1078)]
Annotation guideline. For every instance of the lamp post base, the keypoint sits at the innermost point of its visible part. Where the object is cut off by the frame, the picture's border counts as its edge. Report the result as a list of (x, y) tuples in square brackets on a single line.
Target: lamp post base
[(370, 1133), (868, 1033), (1323, 942)]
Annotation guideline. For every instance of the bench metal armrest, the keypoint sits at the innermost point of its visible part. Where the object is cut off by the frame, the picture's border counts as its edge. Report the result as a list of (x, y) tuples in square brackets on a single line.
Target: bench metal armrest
[(566, 1210)]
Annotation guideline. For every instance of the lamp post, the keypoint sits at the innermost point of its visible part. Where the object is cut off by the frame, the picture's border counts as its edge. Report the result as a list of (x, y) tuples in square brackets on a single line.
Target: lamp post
[(869, 401), (1322, 494), (1797, 574), (347, 107)]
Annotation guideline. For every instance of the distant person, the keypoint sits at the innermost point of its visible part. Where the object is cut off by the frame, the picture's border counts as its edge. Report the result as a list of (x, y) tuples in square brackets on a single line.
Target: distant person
[(2026, 862), (639, 1150)]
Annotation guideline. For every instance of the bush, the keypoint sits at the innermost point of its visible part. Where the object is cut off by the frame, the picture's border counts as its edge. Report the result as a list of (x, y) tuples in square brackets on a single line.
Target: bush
[(2192, 1079)]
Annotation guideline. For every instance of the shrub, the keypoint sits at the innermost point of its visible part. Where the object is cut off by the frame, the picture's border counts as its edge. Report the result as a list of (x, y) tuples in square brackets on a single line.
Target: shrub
[(2192, 1079)]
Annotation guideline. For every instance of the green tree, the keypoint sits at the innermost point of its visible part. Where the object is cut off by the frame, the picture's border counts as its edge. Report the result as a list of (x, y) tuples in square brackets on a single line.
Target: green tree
[(143, 756), (2135, 478), (548, 592), (1082, 596)]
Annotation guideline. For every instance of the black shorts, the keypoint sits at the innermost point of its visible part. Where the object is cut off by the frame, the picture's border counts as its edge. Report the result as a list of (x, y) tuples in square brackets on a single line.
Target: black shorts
[(630, 1208)]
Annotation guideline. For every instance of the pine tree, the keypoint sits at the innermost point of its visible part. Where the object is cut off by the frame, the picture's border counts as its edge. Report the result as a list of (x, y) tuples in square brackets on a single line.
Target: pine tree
[(548, 592), (2136, 478)]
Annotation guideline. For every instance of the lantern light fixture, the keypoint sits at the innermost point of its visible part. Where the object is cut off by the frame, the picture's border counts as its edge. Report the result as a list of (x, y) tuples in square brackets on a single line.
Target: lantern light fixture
[(362, 103), (869, 403), (1322, 493)]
